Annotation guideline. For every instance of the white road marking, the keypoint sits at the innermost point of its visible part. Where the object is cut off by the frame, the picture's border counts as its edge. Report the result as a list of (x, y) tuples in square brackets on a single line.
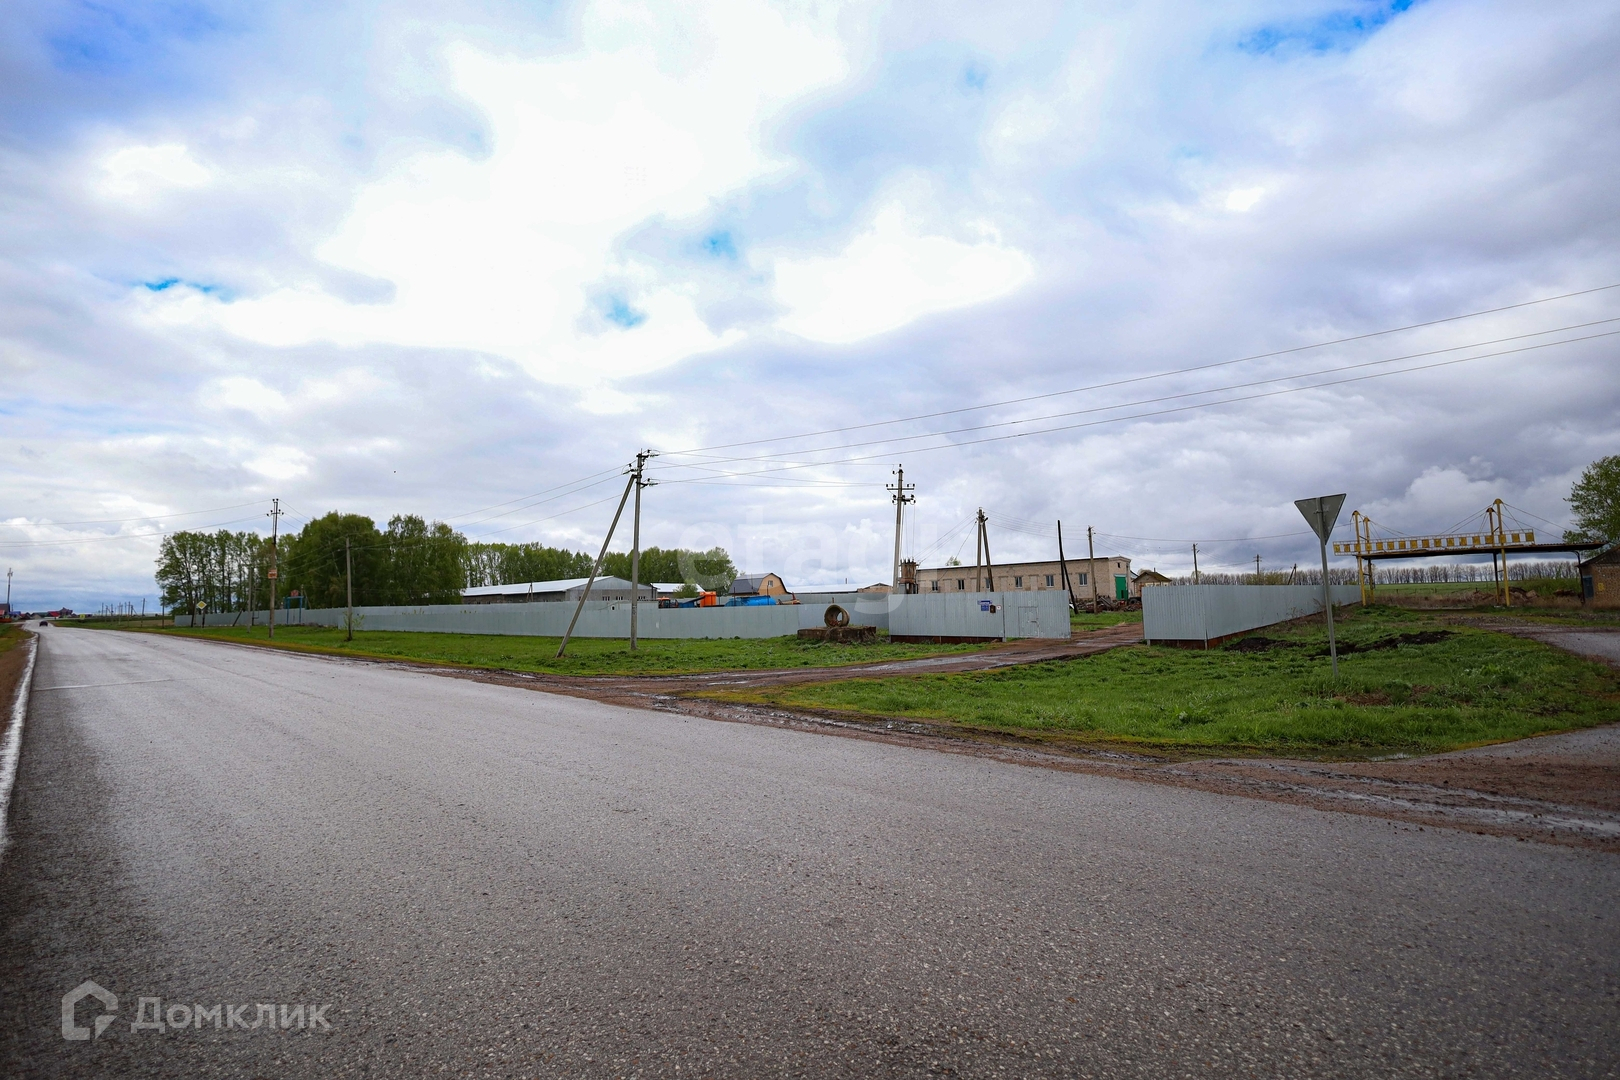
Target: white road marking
[(10, 750)]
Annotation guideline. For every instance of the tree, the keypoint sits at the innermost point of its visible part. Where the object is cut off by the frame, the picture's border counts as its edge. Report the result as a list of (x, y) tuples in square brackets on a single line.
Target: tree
[(710, 569), (210, 568), (506, 564), (312, 561), (1595, 499), (426, 563)]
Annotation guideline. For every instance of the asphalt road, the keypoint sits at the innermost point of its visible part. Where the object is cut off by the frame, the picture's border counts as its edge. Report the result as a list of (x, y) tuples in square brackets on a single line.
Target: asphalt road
[(482, 880)]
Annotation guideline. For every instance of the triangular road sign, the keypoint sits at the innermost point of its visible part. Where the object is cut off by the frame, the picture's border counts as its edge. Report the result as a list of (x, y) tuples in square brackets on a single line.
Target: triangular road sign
[(1322, 513)]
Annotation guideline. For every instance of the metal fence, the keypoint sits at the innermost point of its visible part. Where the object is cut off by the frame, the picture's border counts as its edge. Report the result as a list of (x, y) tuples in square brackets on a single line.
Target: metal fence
[(1006, 615), (1208, 613), (1039, 614)]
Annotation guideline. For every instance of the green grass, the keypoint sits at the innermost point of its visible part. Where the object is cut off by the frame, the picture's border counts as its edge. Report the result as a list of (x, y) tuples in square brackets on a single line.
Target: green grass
[(11, 635), (586, 656), (1471, 688), (1085, 620)]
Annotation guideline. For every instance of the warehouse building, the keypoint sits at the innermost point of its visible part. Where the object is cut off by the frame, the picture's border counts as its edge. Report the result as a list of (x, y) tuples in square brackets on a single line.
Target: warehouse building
[(530, 592)]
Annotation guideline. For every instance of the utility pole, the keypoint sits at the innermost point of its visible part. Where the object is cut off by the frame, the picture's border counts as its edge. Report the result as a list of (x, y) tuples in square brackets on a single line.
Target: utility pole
[(1257, 568), (348, 588), (8, 592), (1064, 567), (1501, 540), (982, 556), (253, 611), (978, 552), (899, 487), (596, 567), (1195, 564), (637, 479), (1091, 557), (275, 524)]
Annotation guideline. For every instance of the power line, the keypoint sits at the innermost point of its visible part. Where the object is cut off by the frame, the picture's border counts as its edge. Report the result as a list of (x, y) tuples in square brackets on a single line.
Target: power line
[(1156, 375), (1153, 412)]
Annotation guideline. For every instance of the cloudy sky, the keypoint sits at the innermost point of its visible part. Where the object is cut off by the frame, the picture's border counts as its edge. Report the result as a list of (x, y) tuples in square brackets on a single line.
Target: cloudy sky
[(1080, 261)]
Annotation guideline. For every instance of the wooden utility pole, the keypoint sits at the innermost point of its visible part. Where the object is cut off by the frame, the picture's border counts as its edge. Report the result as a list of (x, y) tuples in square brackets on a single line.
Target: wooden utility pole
[(1195, 564), (637, 479), (348, 589), (596, 567), (1064, 567), (899, 487), (275, 524), (1091, 557)]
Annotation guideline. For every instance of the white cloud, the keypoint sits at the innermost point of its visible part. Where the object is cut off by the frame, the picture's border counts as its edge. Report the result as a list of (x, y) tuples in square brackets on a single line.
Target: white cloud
[(146, 171), (892, 274), (249, 395), (655, 116), (280, 463), (1242, 200)]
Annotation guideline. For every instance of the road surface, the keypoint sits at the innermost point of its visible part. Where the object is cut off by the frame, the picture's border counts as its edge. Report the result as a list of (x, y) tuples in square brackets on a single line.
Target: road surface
[(481, 880)]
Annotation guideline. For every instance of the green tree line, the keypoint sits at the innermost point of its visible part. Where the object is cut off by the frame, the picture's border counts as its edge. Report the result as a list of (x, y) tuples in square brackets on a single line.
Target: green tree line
[(411, 561)]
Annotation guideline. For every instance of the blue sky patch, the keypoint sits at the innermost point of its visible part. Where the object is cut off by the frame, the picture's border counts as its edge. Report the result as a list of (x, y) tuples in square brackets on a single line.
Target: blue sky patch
[(619, 312), (720, 245), (1343, 29), (119, 37)]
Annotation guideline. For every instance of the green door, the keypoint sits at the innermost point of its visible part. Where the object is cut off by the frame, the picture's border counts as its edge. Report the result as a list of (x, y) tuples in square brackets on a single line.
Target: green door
[(1122, 589)]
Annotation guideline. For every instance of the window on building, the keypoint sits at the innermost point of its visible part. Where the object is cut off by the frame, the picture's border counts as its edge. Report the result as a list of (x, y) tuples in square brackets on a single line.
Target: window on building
[(961, 585), (1049, 581), (933, 586), (1018, 582), (1083, 579)]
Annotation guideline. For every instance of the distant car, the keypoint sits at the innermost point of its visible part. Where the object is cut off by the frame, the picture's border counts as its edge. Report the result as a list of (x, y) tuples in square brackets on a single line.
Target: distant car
[(42, 622)]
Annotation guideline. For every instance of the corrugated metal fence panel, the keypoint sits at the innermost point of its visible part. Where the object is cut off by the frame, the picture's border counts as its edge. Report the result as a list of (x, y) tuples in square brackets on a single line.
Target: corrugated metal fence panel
[(1018, 614), (1203, 612), (599, 619)]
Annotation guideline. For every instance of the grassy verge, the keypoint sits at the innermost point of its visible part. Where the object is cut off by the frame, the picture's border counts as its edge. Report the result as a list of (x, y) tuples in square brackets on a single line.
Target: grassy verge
[(1409, 682), (1085, 620), (11, 635), (586, 656)]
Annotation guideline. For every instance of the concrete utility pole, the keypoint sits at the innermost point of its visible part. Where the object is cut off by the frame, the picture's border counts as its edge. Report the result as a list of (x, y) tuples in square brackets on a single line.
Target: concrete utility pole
[(640, 482), (348, 589), (981, 556), (1195, 564), (1091, 557), (1257, 568), (596, 567), (899, 487), (275, 524), (8, 590)]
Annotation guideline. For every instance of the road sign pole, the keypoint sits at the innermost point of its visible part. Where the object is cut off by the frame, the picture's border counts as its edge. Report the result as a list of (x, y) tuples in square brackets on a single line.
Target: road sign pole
[(1327, 606), (1321, 514)]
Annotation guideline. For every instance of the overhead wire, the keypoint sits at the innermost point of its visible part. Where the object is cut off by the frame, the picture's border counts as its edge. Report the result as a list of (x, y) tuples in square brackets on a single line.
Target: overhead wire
[(1160, 375), (893, 441)]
